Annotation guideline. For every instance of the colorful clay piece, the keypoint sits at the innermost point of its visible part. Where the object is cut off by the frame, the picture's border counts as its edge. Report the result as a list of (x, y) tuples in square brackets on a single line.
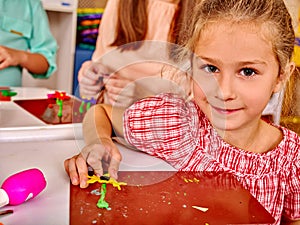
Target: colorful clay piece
[(94, 179), (6, 94), (88, 102), (59, 102), (60, 98), (103, 177), (104, 180), (101, 202), (59, 95)]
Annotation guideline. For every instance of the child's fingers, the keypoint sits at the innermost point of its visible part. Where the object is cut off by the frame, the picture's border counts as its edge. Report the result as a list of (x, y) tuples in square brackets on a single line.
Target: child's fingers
[(94, 159), (114, 164), (82, 170), (113, 169), (70, 169)]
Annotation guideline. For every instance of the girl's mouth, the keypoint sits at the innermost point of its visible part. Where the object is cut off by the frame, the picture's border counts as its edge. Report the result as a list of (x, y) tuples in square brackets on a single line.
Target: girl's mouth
[(225, 111)]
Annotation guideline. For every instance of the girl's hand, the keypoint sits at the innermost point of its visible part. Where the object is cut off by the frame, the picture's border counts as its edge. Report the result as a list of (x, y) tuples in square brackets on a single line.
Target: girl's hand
[(77, 170), (105, 156), (90, 78)]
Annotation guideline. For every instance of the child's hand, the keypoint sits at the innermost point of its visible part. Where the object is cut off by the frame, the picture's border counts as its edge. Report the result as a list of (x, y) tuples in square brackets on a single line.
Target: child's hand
[(103, 156), (77, 170), (9, 57), (90, 77), (97, 156)]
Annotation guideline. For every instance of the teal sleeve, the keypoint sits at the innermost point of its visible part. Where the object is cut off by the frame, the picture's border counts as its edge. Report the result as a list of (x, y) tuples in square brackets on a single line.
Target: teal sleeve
[(42, 40)]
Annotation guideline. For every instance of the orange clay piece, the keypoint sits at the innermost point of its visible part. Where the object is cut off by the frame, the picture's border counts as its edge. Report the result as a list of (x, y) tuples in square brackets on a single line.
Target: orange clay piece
[(94, 179)]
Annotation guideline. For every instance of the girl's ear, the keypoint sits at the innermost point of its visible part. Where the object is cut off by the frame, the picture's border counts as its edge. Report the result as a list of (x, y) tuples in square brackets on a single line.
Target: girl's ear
[(284, 77)]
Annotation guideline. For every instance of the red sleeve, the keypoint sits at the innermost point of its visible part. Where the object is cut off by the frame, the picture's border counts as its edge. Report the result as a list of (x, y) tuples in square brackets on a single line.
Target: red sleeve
[(291, 208), (166, 126)]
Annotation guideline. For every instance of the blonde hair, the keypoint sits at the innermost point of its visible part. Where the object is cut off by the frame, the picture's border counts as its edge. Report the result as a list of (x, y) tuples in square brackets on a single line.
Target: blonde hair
[(271, 15)]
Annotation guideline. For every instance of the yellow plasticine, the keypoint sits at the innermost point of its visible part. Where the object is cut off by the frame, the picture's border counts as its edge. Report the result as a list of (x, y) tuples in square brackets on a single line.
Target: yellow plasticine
[(196, 180), (94, 178), (191, 180)]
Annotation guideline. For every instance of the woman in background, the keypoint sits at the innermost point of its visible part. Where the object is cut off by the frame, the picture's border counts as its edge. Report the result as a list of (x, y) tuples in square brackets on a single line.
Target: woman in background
[(124, 27)]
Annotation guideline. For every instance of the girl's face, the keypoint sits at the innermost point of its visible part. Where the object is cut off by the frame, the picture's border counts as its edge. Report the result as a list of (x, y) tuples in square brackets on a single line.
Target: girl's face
[(235, 72)]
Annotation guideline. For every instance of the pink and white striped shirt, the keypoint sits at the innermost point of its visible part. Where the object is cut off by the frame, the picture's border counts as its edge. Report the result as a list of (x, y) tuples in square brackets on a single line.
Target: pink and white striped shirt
[(177, 131)]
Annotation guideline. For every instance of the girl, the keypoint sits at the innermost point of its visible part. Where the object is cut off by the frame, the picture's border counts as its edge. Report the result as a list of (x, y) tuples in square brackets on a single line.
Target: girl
[(241, 57)]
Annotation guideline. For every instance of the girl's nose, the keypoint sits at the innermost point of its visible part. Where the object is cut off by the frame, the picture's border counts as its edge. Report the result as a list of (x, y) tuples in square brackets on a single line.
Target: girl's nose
[(225, 87)]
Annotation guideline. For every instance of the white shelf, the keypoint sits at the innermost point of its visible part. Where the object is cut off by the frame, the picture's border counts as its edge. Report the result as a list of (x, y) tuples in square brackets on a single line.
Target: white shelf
[(59, 6), (63, 22)]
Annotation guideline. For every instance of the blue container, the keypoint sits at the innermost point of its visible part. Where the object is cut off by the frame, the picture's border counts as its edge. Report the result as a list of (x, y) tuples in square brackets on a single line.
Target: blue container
[(81, 55)]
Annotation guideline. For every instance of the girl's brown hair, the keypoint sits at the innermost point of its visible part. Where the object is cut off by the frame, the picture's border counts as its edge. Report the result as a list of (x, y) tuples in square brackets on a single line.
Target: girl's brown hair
[(132, 24)]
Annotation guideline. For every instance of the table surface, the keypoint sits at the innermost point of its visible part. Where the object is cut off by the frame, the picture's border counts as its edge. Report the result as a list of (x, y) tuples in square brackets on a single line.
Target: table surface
[(51, 207), (11, 115), (26, 142), (164, 197), (19, 125)]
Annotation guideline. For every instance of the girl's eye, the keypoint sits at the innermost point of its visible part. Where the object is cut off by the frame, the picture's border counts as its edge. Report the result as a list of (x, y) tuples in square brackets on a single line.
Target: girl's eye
[(210, 68), (247, 72)]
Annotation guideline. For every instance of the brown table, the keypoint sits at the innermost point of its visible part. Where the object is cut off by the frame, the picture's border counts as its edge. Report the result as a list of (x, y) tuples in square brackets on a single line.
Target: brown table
[(154, 198)]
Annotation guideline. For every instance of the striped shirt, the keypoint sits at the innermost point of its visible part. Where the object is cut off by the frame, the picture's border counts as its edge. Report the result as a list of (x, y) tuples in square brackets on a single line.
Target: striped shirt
[(177, 131)]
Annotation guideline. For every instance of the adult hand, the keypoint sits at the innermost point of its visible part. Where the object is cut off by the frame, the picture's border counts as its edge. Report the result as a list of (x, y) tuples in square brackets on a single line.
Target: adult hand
[(90, 78), (99, 157), (9, 57)]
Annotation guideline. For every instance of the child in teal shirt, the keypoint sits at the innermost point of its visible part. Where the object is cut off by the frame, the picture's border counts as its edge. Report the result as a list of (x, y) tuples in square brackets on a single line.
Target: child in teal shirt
[(25, 41)]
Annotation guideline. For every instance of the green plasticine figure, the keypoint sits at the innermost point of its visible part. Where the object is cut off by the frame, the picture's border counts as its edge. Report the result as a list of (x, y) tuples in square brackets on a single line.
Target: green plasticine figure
[(81, 111), (86, 102), (104, 180), (59, 102), (101, 202), (8, 93)]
